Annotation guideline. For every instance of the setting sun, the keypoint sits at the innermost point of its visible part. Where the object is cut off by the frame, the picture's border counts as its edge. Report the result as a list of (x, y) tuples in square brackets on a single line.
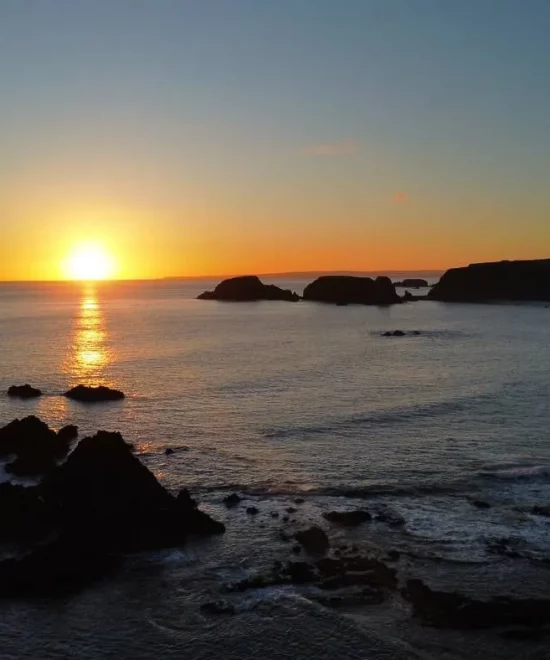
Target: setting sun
[(89, 262)]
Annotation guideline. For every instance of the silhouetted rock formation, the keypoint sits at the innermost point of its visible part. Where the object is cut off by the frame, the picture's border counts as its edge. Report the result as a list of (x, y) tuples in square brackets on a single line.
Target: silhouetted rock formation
[(248, 288), (345, 289), (502, 280), (100, 502), (36, 446), (94, 394), (412, 283), (313, 540), (24, 391)]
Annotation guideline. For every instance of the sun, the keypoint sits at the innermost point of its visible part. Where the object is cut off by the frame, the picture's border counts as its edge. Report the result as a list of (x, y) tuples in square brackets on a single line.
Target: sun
[(89, 262)]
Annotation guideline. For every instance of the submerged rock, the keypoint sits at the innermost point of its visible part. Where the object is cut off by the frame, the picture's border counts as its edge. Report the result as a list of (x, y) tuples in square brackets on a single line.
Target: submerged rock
[(94, 394), (453, 610), (348, 518), (232, 500), (24, 391), (248, 288), (338, 289), (313, 540), (501, 280)]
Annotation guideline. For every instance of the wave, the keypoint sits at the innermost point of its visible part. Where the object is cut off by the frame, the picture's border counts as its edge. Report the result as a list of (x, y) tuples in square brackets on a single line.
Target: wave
[(530, 473)]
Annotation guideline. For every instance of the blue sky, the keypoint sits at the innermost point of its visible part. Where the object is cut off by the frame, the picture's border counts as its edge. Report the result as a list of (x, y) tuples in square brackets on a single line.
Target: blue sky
[(346, 123)]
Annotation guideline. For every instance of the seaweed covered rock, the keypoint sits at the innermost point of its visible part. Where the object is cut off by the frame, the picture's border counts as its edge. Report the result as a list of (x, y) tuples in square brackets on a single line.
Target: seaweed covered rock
[(98, 394), (248, 288), (345, 289)]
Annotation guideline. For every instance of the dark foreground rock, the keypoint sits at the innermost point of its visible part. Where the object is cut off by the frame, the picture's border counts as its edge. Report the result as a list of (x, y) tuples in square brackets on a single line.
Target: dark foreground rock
[(94, 394), (101, 502), (313, 540), (345, 289), (453, 610), (348, 518), (412, 283), (248, 288), (502, 280), (35, 445), (24, 392)]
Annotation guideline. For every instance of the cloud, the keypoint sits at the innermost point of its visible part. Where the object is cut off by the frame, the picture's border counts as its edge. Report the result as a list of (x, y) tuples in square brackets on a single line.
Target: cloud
[(399, 197), (344, 148)]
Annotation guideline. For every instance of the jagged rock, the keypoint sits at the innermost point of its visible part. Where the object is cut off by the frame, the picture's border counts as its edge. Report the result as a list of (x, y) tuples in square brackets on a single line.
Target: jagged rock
[(313, 540), (36, 446), (248, 288), (232, 500), (24, 391), (348, 518), (94, 394), (68, 433), (502, 280), (338, 289)]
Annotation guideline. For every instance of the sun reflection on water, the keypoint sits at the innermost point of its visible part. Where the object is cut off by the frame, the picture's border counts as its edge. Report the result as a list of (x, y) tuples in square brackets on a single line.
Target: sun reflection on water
[(90, 353)]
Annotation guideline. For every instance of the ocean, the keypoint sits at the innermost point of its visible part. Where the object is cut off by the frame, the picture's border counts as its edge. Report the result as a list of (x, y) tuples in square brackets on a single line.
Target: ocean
[(276, 401)]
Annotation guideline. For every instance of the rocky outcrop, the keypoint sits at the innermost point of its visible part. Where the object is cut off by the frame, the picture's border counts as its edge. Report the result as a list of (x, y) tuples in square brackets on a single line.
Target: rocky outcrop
[(101, 502), (98, 394), (24, 392), (503, 280), (248, 288), (35, 445), (346, 289), (412, 283)]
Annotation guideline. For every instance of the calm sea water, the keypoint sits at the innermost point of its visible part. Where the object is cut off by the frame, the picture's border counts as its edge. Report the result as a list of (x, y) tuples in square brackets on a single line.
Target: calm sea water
[(277, 399)]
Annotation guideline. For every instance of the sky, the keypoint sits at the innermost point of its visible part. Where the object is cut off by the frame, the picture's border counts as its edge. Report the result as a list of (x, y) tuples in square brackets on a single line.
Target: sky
[(201, 137)]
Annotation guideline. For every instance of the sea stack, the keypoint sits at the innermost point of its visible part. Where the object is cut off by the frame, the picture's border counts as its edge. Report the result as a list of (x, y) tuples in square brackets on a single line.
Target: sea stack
[(348, 289), (248, 288)]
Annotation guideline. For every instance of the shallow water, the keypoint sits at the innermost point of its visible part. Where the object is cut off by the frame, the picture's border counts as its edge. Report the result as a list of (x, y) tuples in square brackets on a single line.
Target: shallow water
[(278, 399)]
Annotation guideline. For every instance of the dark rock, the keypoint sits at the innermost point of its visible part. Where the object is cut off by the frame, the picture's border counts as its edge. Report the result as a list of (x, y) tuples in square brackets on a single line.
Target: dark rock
[(453, 610), (285, 519), (408, 296), (24, 391), (299, 500), (300, 572), (394, 555), (274, 514), (412, 283), (25, 517), (104, 496), (252, 510), (349, 289), (502, 280), (94, 394), (232, 500), (185, 501), (480, 504), (398, 333), (248, 288), (313, 540), (386, 334), (68, 433), (296, 549), (218, 607), (502, 547), (36, 446), (168, 451), (291, 509), (541, 510), (348, 518), (390, 518)]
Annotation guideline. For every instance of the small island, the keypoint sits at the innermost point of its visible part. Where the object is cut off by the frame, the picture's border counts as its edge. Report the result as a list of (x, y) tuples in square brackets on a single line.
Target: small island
[(412, 283), (248, 288), (349, 289), (501, 280)]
